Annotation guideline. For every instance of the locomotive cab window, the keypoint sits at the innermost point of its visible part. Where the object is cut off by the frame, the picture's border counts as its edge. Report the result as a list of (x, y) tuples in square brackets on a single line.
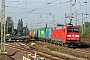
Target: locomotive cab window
[(72, 30)]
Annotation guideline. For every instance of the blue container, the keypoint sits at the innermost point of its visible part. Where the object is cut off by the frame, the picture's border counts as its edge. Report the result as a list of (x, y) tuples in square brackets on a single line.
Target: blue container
[(48, 32), (38, 32)]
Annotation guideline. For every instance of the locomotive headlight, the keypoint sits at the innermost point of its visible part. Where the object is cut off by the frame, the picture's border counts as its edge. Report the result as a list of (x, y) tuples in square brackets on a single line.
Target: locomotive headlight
[(76, 35), (68, 35)]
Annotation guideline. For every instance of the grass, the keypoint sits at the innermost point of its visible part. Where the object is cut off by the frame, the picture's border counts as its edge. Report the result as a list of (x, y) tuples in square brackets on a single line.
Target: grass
[(47, 47)]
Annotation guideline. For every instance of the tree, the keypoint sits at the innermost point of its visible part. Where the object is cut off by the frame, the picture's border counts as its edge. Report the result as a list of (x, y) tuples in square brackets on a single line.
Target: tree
[(86, 33), (0, 28)]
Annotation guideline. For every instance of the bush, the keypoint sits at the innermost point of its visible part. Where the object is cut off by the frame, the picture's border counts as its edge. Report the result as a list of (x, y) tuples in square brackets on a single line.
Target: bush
[(88, 36), (85, 35)]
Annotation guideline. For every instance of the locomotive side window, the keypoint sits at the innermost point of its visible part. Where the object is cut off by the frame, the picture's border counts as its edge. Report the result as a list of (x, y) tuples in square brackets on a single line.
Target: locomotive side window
[(76, 30), (72, 30)]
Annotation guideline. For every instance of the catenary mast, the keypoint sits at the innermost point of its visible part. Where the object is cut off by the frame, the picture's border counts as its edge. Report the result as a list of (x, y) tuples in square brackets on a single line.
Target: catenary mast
[(3, 22)]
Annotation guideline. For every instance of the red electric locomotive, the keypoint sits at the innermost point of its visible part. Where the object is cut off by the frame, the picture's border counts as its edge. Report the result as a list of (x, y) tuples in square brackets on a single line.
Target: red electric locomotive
[(67, 35)]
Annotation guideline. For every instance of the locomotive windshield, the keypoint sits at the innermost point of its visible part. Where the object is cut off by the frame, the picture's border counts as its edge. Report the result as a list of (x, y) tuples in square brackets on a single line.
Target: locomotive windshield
[(72, 30)]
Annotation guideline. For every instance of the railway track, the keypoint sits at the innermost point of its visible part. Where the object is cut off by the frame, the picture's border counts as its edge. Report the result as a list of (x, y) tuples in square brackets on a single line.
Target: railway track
[(84, 53), (43, 53), (80, 52), (77, 50)]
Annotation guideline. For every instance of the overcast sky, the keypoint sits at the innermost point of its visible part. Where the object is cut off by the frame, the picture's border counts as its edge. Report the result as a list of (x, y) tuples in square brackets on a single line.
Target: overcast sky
[(36, 13)]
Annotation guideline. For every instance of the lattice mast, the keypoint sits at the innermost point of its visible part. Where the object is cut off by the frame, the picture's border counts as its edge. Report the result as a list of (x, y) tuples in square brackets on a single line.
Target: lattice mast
[(3, 22)]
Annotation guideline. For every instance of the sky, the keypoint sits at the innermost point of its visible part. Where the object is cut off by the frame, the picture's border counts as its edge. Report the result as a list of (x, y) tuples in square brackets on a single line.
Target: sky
[(38, 13)]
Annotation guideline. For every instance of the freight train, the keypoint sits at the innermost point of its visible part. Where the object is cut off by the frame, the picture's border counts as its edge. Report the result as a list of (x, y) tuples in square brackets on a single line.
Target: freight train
[(67, 35)]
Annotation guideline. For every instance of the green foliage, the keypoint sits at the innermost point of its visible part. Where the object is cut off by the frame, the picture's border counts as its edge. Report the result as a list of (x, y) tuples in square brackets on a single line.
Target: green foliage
[(45, 46), (19, 34), (13, 32), (86, 32), (0, 28), (88, 35), (84, 35)]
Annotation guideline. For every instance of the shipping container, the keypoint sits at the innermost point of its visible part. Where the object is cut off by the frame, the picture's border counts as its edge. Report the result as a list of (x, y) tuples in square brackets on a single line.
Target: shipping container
[(43, 32), (38, 32), (48, 32), (31, 33), (35, 32)]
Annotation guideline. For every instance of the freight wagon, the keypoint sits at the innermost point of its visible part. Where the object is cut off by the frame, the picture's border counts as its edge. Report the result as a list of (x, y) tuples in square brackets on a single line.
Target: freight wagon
[(67, 35), (35, 33), (41, 33), (31, 34), (44, 33)]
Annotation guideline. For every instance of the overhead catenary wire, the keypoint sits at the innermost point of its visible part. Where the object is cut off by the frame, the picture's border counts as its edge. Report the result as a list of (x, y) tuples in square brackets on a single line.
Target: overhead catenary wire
[(73, 2), (42, 7), (29, 11), (25, 8), (45, 5)]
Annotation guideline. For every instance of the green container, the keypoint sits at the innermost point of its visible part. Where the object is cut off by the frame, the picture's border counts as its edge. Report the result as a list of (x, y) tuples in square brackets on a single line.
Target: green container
[(35, 32), (43, 32)]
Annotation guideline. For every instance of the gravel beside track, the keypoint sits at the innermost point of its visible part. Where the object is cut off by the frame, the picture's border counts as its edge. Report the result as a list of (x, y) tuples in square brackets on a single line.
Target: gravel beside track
[(5, 57), (82, 51), (17, 54), (86, 40), (14, 53), (78, 52)]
